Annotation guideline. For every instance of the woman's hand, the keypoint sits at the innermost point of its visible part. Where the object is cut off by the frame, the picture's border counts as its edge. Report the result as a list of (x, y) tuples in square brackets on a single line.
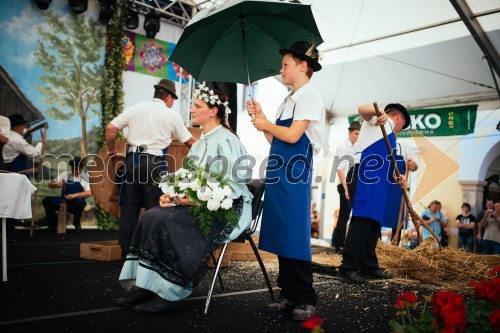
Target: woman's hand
[(184, 201), (166, 201)]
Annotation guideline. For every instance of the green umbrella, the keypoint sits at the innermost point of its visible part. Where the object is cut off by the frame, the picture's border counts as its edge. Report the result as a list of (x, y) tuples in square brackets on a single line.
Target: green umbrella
[(239, 41)]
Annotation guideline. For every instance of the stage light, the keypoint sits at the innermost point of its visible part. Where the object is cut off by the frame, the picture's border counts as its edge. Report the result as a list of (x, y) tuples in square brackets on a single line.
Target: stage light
[(106, 11), (78, 6), (42, 4), (132, 19), (152, 24)]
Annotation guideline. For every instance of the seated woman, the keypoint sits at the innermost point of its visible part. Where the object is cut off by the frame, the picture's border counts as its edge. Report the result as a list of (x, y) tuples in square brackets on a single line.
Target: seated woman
[(167, 246)]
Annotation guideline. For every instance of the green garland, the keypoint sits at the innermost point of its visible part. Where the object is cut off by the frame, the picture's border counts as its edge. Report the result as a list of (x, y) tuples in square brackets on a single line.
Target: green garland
[(112, 91), (112, 97), (105, 221)]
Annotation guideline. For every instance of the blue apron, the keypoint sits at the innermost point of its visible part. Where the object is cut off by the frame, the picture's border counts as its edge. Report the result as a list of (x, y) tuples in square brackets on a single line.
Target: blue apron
[(286, 217), (72, 187), (394, 196), (20, 163), (376, 197)]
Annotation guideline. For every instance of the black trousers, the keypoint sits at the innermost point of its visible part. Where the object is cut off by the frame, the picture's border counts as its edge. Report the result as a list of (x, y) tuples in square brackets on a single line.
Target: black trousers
[(362, 237), (338, 237), (295, 280), (74, 207), (138, 191), (359, 250)]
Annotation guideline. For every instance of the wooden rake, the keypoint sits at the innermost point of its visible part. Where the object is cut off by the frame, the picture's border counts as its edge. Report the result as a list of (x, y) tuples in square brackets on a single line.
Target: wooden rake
[(417, 221)]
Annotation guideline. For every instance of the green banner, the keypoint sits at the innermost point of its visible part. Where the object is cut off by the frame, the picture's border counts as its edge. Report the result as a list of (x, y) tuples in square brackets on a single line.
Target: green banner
[(458, 120)]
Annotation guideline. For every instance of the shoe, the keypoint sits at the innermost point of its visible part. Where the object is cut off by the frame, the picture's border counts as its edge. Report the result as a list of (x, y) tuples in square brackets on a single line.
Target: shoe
[(378, 274), (303, 312), (139, 296), (352, 277), (157, 305), (280, 305)]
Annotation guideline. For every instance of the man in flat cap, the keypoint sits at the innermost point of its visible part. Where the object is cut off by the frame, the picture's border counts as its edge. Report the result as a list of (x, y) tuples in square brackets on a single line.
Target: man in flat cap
[(17, 150), (370, 190), (151, 126), (345, 154)]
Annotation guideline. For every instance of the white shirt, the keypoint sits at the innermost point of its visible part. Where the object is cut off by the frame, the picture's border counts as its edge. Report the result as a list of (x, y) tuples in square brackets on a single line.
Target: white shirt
[(346, 148), (152, 124), (406, 151), (308, 105), (369, 134), (4, 126), (68, 176), (18, 145)]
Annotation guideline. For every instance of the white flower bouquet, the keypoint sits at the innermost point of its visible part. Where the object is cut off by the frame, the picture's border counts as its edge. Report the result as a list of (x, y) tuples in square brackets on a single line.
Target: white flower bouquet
[(209, 193)]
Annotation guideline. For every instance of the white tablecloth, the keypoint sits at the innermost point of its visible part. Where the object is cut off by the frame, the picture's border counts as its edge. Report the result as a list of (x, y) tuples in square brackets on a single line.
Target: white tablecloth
[(15, 202), (15, 193)]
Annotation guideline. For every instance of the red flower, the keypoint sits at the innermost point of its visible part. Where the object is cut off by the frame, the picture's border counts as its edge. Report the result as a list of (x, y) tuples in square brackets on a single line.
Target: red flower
[(406, 297), (495, 271), (450, 308), (312, 322), (494, 319), (487, 289)]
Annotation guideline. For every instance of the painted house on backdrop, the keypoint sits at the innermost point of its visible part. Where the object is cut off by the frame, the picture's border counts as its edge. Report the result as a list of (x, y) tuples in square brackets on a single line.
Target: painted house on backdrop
[(13, 100)]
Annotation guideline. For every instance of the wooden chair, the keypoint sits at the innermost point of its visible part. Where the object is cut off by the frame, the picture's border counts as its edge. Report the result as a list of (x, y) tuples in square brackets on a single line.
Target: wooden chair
[(257, 187)]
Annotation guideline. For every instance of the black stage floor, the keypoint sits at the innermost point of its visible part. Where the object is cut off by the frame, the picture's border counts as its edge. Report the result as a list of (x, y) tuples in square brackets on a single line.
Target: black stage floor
[(51, 289)]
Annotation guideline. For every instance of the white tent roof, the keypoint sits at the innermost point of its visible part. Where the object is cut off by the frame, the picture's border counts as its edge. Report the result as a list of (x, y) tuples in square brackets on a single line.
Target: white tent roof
[(375, 51), (415, 52)]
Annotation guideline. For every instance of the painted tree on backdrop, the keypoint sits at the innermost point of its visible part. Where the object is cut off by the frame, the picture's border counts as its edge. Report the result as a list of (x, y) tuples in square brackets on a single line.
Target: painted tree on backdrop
[(70, 52)]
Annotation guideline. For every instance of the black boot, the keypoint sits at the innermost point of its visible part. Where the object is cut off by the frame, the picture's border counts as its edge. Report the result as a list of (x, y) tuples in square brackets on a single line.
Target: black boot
[(158, 305), (137, 297)]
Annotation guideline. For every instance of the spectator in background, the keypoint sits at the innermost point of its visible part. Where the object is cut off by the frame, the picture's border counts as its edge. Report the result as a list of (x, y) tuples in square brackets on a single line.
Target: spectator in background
[(491, 225), (17, 151), (466, 223), (345, 151), (410, 159), (489, 206), (75, 192), (315, 220), (434, 219)]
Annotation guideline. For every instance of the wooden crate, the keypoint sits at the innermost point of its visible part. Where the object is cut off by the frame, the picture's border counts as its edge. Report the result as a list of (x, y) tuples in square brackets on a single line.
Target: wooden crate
[(103, 251), (244, 252)]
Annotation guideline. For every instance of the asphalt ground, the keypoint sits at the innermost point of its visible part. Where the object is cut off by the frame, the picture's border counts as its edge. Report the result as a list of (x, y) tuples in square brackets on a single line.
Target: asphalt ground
[(51, 289)]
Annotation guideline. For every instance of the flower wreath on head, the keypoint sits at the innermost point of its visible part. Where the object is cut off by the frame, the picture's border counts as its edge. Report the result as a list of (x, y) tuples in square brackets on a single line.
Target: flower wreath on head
[(206, 94)]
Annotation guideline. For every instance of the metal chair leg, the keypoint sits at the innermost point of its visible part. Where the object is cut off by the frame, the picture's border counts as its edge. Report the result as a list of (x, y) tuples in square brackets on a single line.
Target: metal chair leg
[(209, 297), (219, 275), (261, 264)]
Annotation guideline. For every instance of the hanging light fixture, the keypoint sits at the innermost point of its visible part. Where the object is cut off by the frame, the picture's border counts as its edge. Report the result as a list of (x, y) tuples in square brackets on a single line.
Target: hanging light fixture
[(78, 6), (42, 4), (107, 7), (152, 24), (132, 19)]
